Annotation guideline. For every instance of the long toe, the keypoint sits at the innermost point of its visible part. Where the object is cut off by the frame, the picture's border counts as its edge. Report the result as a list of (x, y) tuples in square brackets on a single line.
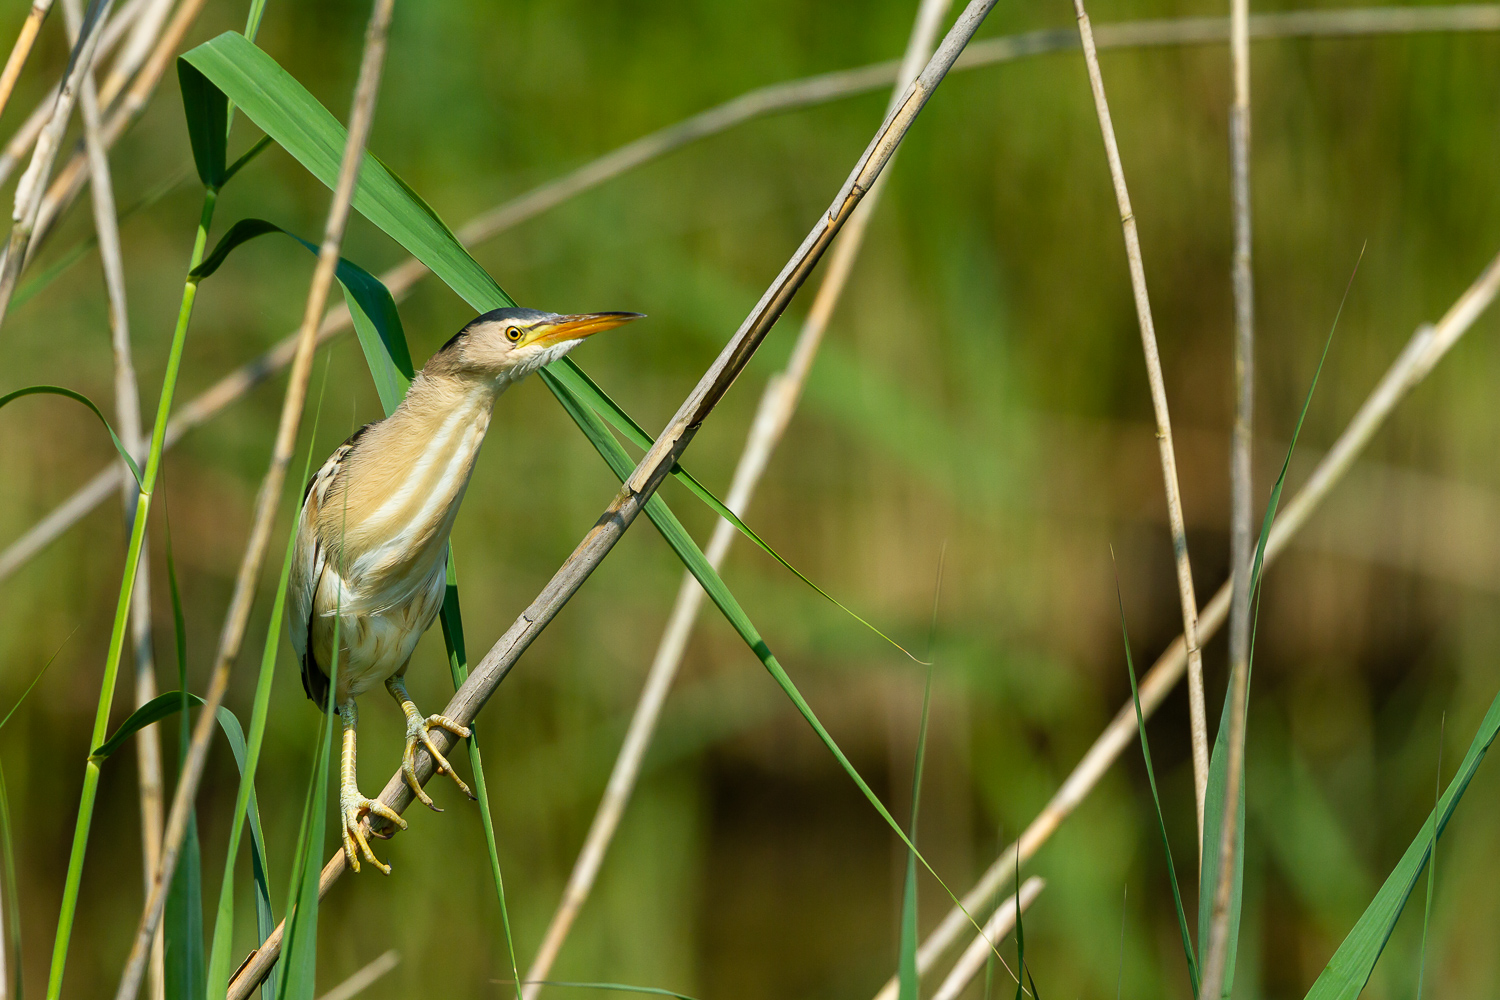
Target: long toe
[(353, 809), (442, 765)]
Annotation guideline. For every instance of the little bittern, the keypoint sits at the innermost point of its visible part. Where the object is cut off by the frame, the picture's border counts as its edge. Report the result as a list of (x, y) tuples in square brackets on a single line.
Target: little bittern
[(372, 537)]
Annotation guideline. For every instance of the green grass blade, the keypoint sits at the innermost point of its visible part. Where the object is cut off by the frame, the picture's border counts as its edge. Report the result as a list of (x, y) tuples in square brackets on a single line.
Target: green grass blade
[(907, 977), (299, 949), (458, 668), (1161, 822), (1213, 807), (34, 680), (1437, 791), (223, 937), (207, 113), (654, 991), (182, 923), (57, 390), (12, 898), (1349, 969)]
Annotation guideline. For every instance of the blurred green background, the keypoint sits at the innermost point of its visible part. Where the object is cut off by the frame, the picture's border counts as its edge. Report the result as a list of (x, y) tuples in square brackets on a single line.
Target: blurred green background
[(982, 387)]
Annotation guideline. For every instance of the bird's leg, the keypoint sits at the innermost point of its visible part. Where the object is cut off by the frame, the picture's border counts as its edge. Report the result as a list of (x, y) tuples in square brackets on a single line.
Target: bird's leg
[(352, 805), (416, 736)]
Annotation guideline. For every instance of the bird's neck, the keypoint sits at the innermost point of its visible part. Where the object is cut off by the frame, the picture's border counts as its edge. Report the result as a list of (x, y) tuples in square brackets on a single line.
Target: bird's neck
[(404, 496)]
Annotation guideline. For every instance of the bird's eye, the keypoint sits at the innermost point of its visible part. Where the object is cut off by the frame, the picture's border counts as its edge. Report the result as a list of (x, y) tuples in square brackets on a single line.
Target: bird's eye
[(513, 334)]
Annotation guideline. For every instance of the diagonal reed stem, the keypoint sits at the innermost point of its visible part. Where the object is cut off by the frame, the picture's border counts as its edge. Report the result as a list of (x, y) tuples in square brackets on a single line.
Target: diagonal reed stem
[(128, 419), (766, 100), (1422, 352), (1216, 949), (29, 190), (668, 447), (22, 49), (775, 410), (19, 143), (980, 950), (1189, 600), (361, 116)]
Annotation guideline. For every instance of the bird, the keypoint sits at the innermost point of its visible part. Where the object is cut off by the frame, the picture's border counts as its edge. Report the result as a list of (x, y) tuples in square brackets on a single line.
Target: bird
[(370, 554)]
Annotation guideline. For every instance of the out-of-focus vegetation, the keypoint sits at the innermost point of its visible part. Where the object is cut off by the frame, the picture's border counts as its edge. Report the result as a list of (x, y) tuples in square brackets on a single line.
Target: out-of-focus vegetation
[(982, 387)]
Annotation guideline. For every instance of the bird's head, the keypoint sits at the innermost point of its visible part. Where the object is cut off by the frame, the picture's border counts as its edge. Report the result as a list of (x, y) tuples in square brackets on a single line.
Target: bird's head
[(506, 345)]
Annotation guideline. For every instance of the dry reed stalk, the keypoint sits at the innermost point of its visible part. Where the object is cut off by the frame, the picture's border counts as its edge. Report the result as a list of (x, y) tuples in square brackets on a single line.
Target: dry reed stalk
[(1188, 599), (1216, 949), (639, 487), (22, 49), (19, 144), (978, 953), (1422, 352), (128, 420), (777, 404), (361, 116), (28, 201), (766, 100), (71, 178), (364, 978)]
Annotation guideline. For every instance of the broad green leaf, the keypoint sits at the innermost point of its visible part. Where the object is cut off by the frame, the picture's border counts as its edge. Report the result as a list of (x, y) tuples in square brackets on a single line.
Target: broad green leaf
[(1350, 967), (376, 321), (1161, 822), (207, 113), (271, 98), (57, 390)]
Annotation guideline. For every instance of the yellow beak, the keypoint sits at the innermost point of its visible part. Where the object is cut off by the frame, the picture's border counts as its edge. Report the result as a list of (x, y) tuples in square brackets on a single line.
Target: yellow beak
[(580, 326)]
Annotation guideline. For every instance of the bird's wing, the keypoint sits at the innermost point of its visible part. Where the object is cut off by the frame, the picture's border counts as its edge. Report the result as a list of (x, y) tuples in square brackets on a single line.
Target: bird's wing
[(309, 563)]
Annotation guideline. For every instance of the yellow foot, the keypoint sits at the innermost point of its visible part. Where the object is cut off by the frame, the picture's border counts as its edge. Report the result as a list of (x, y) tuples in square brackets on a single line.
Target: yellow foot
[(354, 807), (416, 737)]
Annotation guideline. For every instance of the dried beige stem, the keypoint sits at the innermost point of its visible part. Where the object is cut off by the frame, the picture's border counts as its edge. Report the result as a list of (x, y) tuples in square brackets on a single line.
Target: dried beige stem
[(22, 49), (777, 405), (268, 500), (974, 957), (668, 447), (1189, 600), (1216, 979), (1426, 347), (28, 202), (128, 420), (19, 144)]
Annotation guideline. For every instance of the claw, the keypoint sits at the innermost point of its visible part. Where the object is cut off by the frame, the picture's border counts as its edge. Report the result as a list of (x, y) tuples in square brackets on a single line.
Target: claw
[(417, 730), (354, 808)]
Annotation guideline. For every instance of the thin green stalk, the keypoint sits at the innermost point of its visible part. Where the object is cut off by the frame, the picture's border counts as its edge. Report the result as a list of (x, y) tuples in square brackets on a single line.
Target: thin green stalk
[(122, 610), (458, 666)]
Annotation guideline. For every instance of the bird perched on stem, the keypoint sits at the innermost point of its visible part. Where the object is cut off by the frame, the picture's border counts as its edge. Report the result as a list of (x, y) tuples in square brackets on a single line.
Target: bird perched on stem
[(371, 551)]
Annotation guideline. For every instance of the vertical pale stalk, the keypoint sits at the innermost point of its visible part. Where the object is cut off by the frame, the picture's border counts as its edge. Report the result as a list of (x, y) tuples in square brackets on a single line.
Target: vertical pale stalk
[(122, 610), (33, 182), (19, 143), (1188, 599), (128, 420), (1216, 949), (1422, 353), (269, 497), (777, 404), (981, 949), (22, 49)]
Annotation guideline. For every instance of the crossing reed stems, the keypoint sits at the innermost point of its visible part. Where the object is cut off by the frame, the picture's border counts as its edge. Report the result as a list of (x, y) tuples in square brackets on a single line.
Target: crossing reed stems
[(1423, 351), (668, 447), (268, 500), (777, 404), (763, 101), (1198, 721)]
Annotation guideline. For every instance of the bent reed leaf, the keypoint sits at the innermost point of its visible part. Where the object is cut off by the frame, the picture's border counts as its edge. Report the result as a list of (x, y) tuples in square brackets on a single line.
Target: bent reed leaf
[(1161, 822), (57, 390)]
